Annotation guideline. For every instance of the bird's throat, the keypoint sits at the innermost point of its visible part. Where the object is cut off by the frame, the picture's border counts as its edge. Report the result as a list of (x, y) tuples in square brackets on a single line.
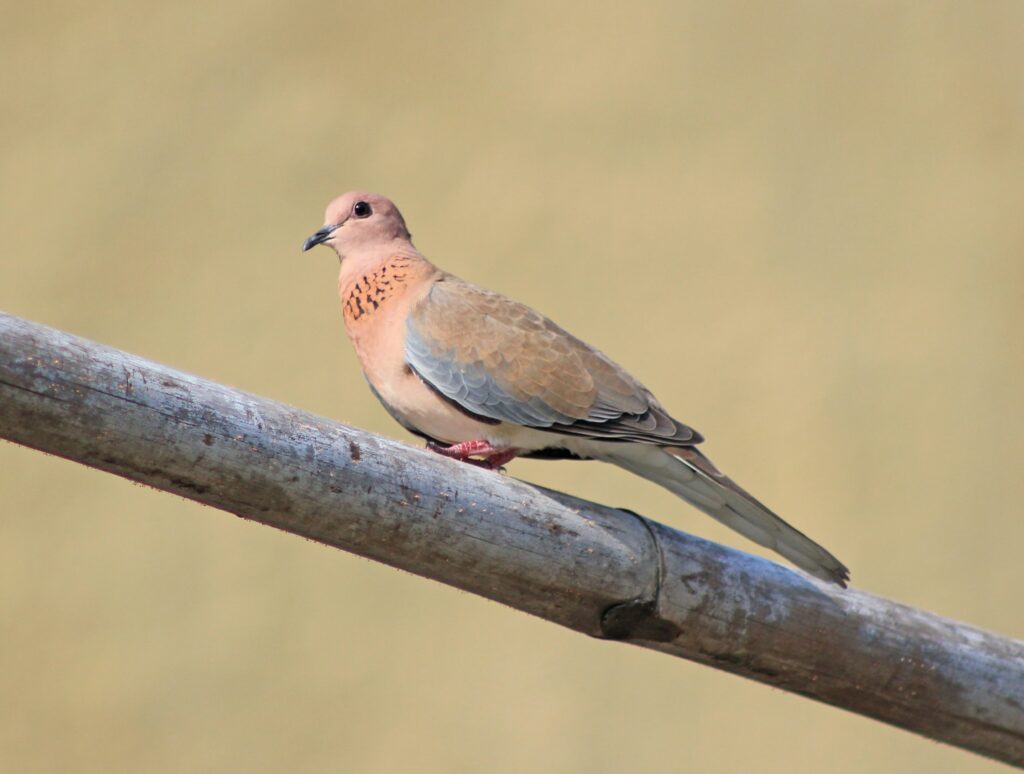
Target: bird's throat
[(365, 294)]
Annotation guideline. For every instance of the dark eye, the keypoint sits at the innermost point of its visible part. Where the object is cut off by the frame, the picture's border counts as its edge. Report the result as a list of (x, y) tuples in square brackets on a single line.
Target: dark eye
[(362, 210)]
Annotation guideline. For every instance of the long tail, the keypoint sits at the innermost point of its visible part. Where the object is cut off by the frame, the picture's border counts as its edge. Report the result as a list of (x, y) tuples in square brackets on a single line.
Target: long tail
[(690, 475)]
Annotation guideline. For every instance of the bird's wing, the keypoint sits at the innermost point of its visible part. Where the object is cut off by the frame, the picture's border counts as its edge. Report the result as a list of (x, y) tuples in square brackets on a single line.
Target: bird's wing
[(499, 359)]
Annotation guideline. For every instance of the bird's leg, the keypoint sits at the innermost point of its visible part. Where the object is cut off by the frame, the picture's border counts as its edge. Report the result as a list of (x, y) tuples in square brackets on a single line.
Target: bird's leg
[(493, 458)]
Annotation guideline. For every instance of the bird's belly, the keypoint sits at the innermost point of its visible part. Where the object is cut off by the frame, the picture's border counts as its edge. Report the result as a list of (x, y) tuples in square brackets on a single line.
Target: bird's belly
[(423, 409), (407, 398), (419, 407)]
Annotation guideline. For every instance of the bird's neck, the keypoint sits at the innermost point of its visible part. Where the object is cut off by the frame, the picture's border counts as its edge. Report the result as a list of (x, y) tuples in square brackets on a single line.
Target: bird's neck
[(371, 285)]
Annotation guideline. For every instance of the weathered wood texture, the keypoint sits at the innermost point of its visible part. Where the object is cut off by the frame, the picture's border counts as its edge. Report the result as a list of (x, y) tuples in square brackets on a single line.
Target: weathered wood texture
[(604, 572)]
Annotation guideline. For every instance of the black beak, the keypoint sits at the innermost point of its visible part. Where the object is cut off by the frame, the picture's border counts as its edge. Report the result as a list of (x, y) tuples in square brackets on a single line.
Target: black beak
[(319, 237)]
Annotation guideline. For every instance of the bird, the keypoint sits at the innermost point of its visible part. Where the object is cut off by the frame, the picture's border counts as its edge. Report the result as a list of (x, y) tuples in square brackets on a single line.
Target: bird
[(485, 379)]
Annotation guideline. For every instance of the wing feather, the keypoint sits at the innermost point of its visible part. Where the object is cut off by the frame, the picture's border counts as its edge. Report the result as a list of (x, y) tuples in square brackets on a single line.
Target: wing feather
[(501, 360)]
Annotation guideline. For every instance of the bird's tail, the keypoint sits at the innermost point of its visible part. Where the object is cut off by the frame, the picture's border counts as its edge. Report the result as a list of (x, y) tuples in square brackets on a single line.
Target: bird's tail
[(687, 473)]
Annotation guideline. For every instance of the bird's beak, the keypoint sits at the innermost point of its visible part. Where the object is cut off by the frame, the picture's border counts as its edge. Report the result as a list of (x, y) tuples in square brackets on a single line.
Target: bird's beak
[(319, 237)]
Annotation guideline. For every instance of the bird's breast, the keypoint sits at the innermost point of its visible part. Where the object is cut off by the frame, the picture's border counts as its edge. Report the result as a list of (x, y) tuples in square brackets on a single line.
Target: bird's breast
[(376, 304)]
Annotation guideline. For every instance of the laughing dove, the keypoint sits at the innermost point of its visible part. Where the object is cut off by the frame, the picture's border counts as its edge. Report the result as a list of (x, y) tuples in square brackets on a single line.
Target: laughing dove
[(485, 379)]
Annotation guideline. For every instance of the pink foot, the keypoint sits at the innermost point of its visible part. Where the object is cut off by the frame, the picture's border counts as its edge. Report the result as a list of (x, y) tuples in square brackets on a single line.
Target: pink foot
[(501, 458), (493, 458)]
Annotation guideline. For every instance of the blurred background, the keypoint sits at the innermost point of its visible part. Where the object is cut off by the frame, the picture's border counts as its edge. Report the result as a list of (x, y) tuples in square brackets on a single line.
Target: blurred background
[(799, 223)]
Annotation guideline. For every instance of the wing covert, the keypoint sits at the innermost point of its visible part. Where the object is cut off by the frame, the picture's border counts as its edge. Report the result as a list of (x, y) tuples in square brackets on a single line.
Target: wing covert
[(501, 360)]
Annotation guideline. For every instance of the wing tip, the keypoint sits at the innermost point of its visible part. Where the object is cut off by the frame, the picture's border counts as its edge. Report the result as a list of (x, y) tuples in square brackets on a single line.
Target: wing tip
[(839, 574)]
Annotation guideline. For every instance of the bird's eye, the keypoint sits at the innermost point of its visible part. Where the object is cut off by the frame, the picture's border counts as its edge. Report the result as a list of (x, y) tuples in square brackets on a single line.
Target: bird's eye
[(362, 210)]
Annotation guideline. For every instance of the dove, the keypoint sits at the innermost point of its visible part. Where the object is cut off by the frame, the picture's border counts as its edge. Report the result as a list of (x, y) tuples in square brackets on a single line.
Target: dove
[(485, 379)]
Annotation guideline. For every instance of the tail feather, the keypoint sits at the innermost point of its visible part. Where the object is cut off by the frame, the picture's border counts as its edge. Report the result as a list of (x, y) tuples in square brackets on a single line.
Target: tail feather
[(687, 473)]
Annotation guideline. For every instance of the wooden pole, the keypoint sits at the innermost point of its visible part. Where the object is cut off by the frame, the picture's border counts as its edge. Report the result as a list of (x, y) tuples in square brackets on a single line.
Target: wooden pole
[(604, 572)]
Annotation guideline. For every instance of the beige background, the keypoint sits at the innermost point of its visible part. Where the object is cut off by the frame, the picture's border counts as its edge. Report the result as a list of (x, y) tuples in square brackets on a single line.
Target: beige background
[(800, 223)]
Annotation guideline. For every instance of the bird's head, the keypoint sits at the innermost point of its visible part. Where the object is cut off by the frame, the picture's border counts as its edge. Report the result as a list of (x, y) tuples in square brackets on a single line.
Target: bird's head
[(359, 219)]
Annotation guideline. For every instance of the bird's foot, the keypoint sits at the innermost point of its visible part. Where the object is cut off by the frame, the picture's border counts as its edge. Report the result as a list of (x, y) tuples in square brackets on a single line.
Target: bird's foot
[(492, 458), (499, 459)]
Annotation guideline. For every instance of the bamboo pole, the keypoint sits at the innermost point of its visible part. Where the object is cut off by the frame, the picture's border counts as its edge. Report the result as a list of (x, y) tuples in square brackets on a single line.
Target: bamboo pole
[(604, 572)]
